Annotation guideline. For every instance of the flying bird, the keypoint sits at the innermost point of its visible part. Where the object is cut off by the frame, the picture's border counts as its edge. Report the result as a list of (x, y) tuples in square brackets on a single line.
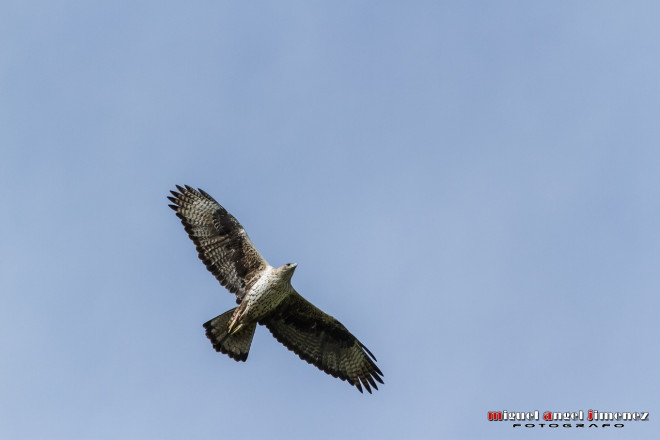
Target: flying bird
[(265, 296)]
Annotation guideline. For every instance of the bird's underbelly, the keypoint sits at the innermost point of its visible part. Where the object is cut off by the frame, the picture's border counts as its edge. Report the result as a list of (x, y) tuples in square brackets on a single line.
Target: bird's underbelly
[(263, 298)]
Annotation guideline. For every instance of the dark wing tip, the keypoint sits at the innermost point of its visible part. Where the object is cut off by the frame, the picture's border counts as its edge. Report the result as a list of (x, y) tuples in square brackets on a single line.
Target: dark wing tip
[(184, 190), (368, 351), (371, 381), (365, 382)]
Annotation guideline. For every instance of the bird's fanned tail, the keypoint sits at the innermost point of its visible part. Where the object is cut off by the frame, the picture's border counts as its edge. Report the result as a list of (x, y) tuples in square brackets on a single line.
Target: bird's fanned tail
[(235, 345)]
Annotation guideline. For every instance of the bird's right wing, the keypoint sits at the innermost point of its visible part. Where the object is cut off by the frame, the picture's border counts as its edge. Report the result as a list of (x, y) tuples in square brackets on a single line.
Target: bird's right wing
[(221, 242), (321, 340)]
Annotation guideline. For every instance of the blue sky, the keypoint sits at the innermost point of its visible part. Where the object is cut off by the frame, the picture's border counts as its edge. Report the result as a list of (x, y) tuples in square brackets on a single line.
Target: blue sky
[(472, 188)]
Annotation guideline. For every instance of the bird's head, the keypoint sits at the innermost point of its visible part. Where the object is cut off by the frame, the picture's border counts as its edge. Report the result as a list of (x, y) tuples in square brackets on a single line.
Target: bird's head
[(288, 269)]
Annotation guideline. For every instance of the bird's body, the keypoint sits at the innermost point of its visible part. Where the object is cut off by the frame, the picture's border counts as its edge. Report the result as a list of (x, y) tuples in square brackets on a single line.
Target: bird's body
[(268, 292), (265, 296)]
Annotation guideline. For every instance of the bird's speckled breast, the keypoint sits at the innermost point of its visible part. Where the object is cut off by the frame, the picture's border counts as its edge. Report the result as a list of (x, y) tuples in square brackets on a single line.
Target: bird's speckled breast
[(266, 294)]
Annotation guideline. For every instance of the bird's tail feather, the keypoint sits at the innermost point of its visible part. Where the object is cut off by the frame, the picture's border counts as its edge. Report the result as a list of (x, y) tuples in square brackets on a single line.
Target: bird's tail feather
[(236, 345)]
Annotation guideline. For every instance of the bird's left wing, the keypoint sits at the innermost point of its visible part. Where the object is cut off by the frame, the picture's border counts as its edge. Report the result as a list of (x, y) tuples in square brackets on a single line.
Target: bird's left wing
[(221, 242), (321, 340)]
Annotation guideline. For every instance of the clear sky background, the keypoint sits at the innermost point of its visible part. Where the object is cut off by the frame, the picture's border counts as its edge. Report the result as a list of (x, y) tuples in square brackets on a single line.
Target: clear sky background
[(472, 188)]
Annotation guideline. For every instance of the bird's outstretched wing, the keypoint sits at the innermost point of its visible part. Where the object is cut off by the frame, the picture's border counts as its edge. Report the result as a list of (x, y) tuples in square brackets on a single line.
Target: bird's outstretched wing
[(221, 241), (321, 340)]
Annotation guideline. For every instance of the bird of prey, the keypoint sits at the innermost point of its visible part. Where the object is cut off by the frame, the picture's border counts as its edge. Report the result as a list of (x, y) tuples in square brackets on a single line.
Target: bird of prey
[(265, 296)]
